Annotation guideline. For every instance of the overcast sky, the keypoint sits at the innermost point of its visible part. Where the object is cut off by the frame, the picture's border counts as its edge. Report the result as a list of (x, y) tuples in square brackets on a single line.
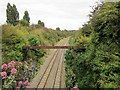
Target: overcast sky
[(66, 14)]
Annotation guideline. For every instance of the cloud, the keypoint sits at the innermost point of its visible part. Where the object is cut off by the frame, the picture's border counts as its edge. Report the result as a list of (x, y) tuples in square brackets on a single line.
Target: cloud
[(67, 14)]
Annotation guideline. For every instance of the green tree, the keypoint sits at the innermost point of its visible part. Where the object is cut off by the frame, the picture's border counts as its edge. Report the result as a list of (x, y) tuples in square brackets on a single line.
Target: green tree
[(26, 16), (41, 24), (12, 14), (57, 28)]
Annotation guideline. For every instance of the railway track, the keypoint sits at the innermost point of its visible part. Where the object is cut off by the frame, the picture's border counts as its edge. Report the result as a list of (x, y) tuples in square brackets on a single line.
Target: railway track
[(52, 73)]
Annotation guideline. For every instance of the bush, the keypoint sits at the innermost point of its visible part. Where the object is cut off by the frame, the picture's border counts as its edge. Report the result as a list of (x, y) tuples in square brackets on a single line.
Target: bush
[(99, 65), (13, 41), (24, 22)]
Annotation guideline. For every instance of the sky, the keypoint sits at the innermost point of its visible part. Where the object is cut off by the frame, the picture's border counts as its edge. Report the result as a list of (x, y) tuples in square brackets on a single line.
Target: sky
[(66, 14)]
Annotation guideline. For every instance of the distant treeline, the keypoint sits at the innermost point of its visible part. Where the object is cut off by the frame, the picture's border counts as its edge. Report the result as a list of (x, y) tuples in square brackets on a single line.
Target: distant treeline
[(13, 17)]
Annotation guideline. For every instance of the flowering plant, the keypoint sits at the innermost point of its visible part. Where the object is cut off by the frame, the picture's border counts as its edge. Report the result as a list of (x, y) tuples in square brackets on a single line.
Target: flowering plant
[(22, 85), (9, 73)]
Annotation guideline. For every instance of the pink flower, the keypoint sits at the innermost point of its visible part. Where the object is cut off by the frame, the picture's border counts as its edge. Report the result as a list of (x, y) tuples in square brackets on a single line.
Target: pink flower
[(13, 62), (26, 82), (20, 63), (17, 88), (26, 87), (4, 66), (10, 64), (4, 75), (20, 82), (75, 88), (13, 70)]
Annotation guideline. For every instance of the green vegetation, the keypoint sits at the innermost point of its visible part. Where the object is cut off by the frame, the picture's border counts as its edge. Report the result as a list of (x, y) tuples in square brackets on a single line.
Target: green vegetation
[(26, 16), (15, 37), (19, 33), (57, 28), (12, 14), (23, 22), (99, 65), (41, 24)]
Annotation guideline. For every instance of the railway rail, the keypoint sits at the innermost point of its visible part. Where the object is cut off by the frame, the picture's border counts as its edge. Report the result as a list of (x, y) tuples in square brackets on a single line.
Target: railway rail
[(52, 73)]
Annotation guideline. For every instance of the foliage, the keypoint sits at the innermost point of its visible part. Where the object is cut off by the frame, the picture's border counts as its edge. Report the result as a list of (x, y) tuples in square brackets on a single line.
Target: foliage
[(12, 14), (99, 65), (9, 73), (57, 28), (13, 42), (35, 53), (26, 16), (41, 24), (12, 49), (24, 22)]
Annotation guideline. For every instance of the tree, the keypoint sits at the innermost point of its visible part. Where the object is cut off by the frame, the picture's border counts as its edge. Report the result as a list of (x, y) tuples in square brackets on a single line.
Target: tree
[(26, 16), (8, 13), (41, 24), (57, 28), (15, 14), (12, 14)]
